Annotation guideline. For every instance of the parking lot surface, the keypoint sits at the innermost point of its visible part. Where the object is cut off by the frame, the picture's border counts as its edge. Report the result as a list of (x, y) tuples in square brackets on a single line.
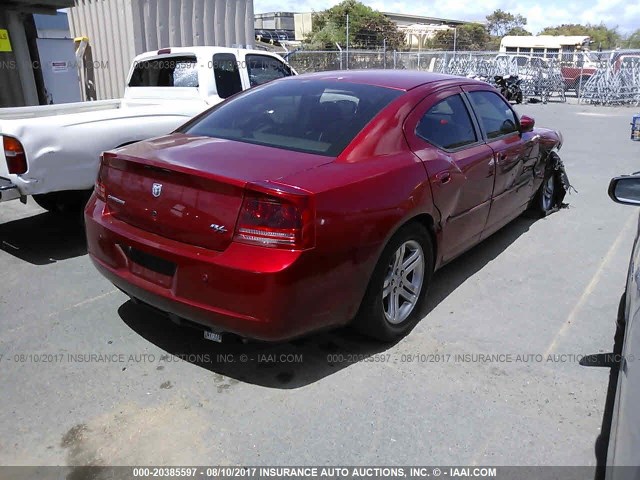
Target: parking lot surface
[(489, 377)]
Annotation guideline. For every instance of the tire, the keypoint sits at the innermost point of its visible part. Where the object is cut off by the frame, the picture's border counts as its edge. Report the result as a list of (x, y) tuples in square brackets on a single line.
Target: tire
[(68, 202), (544, 201), (519, 97), (48, 201), (621, 319), (385, 313)]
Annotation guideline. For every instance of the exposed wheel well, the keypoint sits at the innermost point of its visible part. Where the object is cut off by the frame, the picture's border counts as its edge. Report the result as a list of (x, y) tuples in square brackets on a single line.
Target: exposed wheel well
[(427, 221)]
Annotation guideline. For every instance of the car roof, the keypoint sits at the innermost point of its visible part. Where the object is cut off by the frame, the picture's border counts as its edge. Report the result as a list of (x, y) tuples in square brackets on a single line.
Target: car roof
[(397, 79), (201, 51)]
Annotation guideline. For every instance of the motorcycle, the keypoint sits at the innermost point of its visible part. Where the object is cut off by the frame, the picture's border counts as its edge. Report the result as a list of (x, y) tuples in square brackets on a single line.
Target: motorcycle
[(509, 86)]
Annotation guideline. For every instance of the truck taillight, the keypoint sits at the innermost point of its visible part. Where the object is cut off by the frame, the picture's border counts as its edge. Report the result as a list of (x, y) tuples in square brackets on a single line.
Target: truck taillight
[(14, 153), (276, 220)]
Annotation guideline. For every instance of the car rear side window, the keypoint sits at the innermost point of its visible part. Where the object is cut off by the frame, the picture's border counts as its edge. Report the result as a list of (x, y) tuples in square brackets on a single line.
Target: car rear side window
[(493, 113), (166, 72), (447, 124), (313, 116), (263, 69), (227, 74)]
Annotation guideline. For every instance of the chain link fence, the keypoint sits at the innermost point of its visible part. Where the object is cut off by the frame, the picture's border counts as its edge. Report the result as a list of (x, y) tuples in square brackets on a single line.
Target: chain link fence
[(604, 78)]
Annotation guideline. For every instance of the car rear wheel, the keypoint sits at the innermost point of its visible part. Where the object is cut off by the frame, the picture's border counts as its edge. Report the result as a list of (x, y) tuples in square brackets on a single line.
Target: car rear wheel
[(395, 297)]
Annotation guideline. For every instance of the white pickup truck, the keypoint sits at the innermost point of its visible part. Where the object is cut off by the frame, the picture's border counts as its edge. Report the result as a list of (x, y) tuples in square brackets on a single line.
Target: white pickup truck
[(52, 152)]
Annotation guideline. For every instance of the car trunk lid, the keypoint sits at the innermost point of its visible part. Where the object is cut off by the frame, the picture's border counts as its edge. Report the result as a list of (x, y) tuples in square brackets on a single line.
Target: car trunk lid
[(190, 189)]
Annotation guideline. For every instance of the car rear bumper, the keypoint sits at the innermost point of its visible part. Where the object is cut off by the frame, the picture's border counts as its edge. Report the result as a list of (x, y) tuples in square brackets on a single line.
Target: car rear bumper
[(252, 291)]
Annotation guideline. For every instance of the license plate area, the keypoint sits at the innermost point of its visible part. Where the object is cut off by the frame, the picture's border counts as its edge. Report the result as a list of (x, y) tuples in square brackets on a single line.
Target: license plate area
[(151, 262), (151, 268)]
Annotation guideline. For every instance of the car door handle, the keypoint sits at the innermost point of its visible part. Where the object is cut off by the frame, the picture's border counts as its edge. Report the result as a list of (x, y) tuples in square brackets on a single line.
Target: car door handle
[(443, 177)]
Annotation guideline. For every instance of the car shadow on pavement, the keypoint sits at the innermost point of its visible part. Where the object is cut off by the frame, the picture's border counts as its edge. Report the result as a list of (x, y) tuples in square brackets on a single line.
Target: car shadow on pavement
[(452, 275), (297, 363), (284, 365), (611, 361), (44, 238)]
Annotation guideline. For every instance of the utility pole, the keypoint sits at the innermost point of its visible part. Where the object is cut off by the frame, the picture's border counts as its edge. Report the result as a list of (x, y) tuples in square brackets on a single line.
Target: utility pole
[(347, 41), (455, 40)]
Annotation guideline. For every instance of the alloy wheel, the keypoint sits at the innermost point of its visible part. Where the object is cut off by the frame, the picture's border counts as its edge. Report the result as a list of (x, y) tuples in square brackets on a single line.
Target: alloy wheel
[(403, 282), (547, 194)]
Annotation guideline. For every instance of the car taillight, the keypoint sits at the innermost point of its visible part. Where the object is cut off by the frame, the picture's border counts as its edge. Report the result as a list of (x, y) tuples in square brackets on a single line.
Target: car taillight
[(100, 189), (280, 220), (14, 153)]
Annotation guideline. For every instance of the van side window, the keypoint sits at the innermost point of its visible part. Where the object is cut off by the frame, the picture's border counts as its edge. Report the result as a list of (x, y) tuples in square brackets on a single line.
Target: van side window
[(227, 74)]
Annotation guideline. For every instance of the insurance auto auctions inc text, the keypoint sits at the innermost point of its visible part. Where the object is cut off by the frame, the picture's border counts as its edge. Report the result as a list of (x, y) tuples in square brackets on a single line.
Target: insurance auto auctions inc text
[(376, 472)]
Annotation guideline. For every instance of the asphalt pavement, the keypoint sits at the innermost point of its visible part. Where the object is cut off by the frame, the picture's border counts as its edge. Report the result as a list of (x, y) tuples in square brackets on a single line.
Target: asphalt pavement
[(489, 377)]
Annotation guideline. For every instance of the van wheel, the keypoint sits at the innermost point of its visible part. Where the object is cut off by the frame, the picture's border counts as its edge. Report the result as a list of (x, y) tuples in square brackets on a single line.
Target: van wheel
[(395, 296)]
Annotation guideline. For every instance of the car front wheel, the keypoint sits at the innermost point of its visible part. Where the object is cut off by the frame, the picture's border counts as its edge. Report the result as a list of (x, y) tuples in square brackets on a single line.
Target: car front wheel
[(397, 290), (547, 199)]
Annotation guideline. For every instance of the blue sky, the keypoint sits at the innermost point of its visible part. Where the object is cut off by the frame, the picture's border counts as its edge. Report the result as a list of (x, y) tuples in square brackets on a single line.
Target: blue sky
[(541, 13)]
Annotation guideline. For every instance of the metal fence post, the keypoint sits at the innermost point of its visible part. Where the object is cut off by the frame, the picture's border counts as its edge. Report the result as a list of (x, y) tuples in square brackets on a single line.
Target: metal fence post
[(580, 82), (384, 53)]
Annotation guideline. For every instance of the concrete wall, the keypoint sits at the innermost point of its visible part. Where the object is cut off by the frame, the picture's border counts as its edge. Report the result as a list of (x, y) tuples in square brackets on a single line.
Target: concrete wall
[(118, 30), (17, 82)]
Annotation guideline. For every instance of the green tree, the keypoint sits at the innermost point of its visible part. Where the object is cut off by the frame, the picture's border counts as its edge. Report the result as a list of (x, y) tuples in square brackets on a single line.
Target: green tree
[(519, 31), (368, 28), (601, 35), (470, 36), (633, 40), (501, 23)]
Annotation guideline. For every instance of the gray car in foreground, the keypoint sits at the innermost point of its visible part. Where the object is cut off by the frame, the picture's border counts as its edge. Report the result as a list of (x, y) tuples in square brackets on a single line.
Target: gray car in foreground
[(624, 440)]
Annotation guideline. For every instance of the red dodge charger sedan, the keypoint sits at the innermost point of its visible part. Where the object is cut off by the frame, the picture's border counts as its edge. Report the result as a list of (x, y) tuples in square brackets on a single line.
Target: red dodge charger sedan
[(315, 201)]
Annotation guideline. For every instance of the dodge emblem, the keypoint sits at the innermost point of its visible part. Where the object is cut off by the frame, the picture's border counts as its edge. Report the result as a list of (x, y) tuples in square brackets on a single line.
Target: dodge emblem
[(156, 189)]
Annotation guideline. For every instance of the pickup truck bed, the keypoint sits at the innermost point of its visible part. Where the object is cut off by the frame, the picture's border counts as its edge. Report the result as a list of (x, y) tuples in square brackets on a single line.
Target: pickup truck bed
[(59, 146)]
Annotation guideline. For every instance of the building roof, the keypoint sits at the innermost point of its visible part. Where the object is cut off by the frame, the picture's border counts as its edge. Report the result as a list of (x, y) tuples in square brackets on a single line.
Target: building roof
[(400, 18), (409, 19)]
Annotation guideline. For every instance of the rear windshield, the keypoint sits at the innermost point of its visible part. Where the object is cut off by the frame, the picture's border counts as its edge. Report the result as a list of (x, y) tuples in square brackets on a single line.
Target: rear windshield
[(319, 117), (166, 72)]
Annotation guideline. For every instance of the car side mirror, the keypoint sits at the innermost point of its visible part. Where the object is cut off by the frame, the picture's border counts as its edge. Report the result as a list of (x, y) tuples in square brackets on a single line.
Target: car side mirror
[(625, 190), (526, 124)]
